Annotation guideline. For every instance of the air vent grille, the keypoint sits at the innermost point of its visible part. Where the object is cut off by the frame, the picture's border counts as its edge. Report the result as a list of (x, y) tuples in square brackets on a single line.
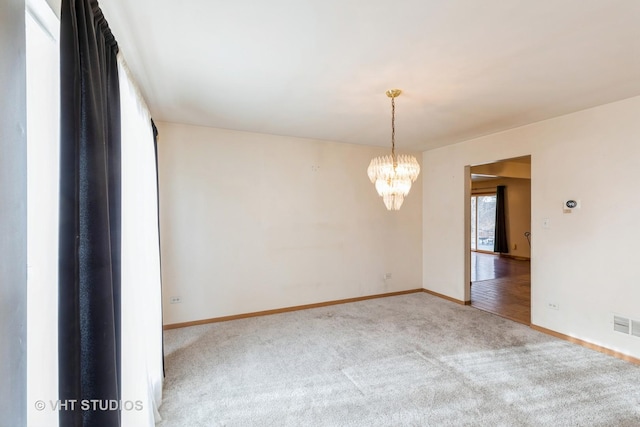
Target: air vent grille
[(621, 324), (635, 328)]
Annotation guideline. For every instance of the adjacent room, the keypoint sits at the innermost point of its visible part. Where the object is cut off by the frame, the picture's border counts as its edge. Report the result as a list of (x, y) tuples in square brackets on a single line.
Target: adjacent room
[(323, 213), (500, 220)]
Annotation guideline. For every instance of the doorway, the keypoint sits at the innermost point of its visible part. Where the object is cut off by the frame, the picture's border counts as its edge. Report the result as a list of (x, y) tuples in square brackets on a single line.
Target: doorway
[(501, 286), (500, 283)]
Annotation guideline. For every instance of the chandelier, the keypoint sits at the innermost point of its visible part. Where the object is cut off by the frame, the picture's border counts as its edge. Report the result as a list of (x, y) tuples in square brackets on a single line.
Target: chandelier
[(393, 174)]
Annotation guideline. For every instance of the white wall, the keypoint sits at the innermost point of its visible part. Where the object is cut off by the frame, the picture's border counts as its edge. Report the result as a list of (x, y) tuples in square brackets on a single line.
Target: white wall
[(13, 214), (254, 222), (586, 261)]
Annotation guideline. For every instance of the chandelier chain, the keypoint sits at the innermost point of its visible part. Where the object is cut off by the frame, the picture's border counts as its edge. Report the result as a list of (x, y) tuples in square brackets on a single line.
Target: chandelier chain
[(393, 129)]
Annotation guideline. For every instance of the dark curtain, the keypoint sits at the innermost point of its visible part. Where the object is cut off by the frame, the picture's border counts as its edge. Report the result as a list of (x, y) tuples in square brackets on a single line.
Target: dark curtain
[(155, 149), (500, 243), (89, 275)]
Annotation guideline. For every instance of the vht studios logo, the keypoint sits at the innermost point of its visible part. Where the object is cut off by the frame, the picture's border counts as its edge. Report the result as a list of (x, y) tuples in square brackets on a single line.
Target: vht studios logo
[(89, 405)]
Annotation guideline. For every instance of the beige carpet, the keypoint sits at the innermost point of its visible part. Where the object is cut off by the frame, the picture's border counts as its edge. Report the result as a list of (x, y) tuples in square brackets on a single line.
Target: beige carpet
[(411, 360)]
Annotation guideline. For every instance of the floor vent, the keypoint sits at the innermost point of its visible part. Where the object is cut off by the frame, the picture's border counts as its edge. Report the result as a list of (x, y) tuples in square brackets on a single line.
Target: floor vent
[(635, 328), (621, 324)]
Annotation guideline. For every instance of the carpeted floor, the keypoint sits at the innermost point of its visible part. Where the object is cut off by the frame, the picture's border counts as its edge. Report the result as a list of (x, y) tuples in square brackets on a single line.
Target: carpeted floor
[(410, 360)]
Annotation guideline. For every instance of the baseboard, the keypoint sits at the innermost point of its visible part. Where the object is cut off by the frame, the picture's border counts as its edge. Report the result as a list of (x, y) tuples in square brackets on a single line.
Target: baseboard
[(587, 344), (457, 301), (287, 309), (518, 258)]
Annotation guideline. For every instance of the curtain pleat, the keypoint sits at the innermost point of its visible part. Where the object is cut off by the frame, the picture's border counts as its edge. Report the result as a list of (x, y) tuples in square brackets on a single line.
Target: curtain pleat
[(89, 233), (500, 243)]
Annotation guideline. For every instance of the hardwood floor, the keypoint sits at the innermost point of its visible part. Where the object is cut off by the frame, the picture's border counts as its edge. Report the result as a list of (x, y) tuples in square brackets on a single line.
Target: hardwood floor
[(501, 286)]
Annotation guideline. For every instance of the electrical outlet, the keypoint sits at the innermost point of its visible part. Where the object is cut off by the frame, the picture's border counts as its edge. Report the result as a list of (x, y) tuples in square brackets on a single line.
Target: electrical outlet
[(553, 305), (175, 300), (387, 276)]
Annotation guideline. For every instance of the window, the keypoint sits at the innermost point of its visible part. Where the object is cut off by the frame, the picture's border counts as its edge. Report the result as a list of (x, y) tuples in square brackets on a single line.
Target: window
[(483, 222), (43, 146), (141, 313)]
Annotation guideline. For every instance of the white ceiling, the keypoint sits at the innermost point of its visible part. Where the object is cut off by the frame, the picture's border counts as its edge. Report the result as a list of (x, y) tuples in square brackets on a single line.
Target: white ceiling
[(319, 68)]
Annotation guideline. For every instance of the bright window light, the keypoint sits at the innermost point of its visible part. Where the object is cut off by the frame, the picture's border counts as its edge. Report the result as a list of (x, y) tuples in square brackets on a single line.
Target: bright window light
[(43, 118)]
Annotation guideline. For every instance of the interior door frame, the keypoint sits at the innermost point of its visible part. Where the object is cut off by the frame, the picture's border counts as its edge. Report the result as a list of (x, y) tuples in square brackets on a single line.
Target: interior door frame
[(467, 235), (467, 230)]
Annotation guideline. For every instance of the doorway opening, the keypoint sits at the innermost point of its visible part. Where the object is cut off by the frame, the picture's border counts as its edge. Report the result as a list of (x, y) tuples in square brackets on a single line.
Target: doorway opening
[(499, 279)]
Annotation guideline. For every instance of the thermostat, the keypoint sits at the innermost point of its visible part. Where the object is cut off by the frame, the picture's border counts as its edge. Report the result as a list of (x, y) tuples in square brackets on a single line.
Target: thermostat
[(570, 204)]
